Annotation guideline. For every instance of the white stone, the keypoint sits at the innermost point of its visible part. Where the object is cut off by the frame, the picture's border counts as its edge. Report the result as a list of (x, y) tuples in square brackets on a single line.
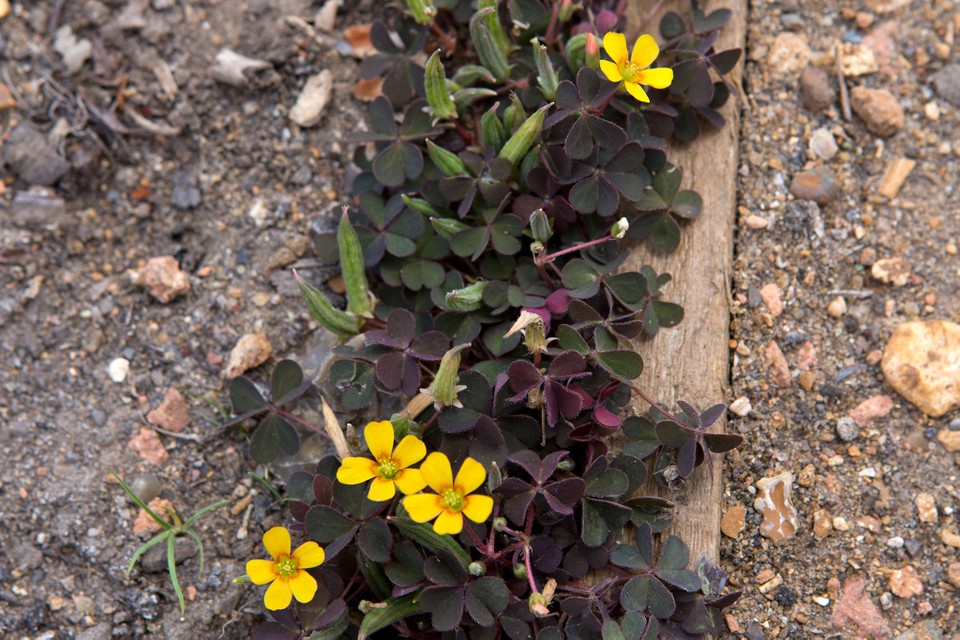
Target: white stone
[(118, 369)]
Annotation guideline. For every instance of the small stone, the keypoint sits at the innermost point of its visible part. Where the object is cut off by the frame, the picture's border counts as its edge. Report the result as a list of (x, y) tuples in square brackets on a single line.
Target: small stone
[(145, 523), (147, 444), (871, 409), (792, 21), (163, 5), (173, 414), (895, 271), (817, 90), (118, 369), (773, 503), (926, 507), (922, 362), (186, 193), (823, 145), (756, 222), (886, 600), (31, 157), (950, 439), (947, 83), (251, 351), (840, 524), (871, 524), (770, 295), (880, 110), (770, 584), (855, 609), (741, 406), (886, 6), (847, 429), (7, 101), (162, 278), (857, 60), (313, 99), (950, 538), (38, 208), (905, 583), (932, 110), (4, 8), (807, 476), (925, 630), (822, 524), (953, 574), (817, 184), (788, 54), (837, 307), (868, 257), (733, 521), (73, 51), (155, 560), (896, 542), (239, 70), (146, 486), (777, 365)]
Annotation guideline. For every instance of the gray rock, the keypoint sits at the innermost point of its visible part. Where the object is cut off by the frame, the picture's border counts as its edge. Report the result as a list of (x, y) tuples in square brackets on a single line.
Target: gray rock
[(155, 560), (37, 208), (102, 631), (926, 630), (26, 557), (186, 192), (847, 429), (947, 83), (31, 157)]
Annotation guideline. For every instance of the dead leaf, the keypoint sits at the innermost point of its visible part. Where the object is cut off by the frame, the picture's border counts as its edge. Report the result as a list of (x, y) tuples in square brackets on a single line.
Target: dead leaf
[(358, 37), (368, 90)]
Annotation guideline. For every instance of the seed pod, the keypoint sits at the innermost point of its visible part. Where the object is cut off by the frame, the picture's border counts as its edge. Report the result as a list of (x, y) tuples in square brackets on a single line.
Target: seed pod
[(477, 568), (444, 387), (546, 74), (491, 129), (488, 50), (435, 85), (360, 300), (331, 318), (566, 10), (525, 137), (446, 227), (420, 206), (469, 298), (467, 74), (492, 20), (576, 54), (465, 97), (448, 162), (422, 11), (540, 226), (514, 114)]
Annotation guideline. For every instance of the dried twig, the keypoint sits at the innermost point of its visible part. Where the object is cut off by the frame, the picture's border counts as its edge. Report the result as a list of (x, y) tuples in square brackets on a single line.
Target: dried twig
[(156, 128), (844, 94)]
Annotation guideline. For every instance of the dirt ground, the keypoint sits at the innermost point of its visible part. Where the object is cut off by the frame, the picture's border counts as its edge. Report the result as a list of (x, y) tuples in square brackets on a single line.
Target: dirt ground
[(218, 177)]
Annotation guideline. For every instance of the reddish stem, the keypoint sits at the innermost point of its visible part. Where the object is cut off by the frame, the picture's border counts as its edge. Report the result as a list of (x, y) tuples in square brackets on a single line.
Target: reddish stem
[(669, 415), (547, 259)]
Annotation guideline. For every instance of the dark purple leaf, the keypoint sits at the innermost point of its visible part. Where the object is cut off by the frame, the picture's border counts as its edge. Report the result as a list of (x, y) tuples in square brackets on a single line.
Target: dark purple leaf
[(401, 325), (568, 364), (524, 376), (391, 369), (430, 346)]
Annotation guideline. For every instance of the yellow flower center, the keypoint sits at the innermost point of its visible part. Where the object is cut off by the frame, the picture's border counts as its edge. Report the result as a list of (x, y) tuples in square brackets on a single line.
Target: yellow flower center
[(286, 567), (631, 72), (388, 469), (452, 499)]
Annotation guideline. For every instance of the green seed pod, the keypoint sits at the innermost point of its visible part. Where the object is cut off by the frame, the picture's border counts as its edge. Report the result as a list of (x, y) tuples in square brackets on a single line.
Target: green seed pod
[(469, 298), (422, 11), (566, 10), (470, 73), (492, 20), (499, 524), (476, 568), (465, 97), (331, 318), (566, 465), (519, 572), (525, 137), (546, 74), (435, 85), (540, 226), (448, 162), (444, 387), (421, 206), (491, 129), (360, 300), (488, 50), (446, 227), (576, 53), (514, 114)]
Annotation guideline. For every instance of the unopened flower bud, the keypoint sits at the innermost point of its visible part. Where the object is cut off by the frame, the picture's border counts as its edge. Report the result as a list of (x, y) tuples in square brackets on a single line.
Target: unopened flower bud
[(422, 11), (499, 524), (566, 10), (566, 465), (520, 571), (330, 318), (538, 605), (540, 226), (592, 52), (444, 388), (469, 298), (360, 300), (619, 228), (477, 568)]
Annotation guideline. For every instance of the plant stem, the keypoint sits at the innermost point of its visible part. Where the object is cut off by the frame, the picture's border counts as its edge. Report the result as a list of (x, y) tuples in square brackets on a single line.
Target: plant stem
[(526, 562), (657, 407), (547, 259)]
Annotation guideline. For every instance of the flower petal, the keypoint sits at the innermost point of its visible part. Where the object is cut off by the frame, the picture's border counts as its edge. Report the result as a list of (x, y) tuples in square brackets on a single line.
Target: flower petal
[(304, 586), (659, 78), (478, 507), (634, 89), (356, 470), (379, 437), (410, 481), (410, 451), (261, 571), (423, 507), (277, 542), (611, 70), (309, 555), (615, 44), (278, 595), (381, 490), (645, 51), (449, 522), (470, 477), (436, 472)]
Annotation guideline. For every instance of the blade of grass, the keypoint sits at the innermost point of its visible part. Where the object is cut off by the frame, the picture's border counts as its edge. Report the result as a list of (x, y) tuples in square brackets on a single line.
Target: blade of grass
[(210, 507), (152, 542), (267, 485), (196, 538), (133, 496), (172, 570)]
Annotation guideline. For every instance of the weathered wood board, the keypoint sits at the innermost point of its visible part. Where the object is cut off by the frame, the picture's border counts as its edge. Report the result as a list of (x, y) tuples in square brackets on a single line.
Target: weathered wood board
[(691, 361)]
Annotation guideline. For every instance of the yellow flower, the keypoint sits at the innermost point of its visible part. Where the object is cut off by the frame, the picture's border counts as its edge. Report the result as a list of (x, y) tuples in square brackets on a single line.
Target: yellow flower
[(453, 498), (389, 467), (287, 570), (633, 70)]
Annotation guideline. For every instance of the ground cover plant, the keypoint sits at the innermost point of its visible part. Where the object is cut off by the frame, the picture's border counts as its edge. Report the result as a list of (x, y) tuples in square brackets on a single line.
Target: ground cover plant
[(517, 153)]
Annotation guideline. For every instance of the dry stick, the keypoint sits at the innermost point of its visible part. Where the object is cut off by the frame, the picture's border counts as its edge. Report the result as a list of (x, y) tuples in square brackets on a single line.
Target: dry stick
[(844, 94)]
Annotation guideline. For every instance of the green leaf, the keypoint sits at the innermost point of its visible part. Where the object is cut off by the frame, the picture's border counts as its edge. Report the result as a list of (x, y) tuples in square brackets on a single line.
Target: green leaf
[(419, 274), (611, 631), (485, 599), (375, 540), (608, 483), (687, 204), (388, 166), (244, 396), (667, 182), (668, 313), (505, 234), (287, 376), (569, 338), (172, 570), (672, 435), (273, 436), (494, 340), (470, 242), (674, 555), (374, 576), (664, 234), (423, 534), (643, 437), (445, 605), (582, 280), (382, 617), (648, 593), (626, 364)]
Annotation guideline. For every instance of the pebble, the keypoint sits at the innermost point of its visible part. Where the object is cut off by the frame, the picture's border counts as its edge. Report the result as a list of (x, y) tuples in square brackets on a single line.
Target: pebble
[(926, 507), (886, 600), (840, 524), (741, 406), (880, 110), (925, 630), (147, 444), (733, 521), (871, 409), (31, 157), (823, 145), (857, 60), (251, 351), (817, 184), (837, 307), (239, 70), (770, 295), (313, 99), (773, 503), (895, 271), (855, 609), (921, 361), (146, 486), (788, 54), (905, 583), (144, 523), (950, 439), (896, 542), (868, 257), (822, 524), (816, 88), (792, 21), (186, 191), (38, 208), (7, 101), (756, 222), (953, 574), (950, 538), (886, 6), (73, 51), (162, 278), (777, 364), (118, 369), (172, 414), (947, 83), (847, 429)]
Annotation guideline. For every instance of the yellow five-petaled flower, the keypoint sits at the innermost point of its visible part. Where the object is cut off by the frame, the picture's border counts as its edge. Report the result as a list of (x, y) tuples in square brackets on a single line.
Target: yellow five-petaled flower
[(389, 467), (286, 571), (454, 498), (632, 70)]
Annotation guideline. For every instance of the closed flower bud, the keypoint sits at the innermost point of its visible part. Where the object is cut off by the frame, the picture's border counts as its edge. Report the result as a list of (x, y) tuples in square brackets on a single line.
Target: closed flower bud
[(444, 388), (591, 52), (566, 10), (477, 568), (514, 114), (538, 605), (435, 86), (525, 137), (619, 228), (469, 298), (546, 74), (448, 162), (575, 49), (330, 318), (360, 301), (540, 226)]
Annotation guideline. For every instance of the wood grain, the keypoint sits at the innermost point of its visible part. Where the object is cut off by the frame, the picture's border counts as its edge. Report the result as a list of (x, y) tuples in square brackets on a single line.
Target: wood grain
[(691, 361)]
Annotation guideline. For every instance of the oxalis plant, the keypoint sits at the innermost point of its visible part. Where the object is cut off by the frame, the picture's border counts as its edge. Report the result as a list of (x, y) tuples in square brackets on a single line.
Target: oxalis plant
[(519, 151)]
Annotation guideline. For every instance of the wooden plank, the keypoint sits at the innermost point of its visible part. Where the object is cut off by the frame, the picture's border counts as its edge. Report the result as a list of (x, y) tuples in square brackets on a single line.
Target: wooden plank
[(691, 361)]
